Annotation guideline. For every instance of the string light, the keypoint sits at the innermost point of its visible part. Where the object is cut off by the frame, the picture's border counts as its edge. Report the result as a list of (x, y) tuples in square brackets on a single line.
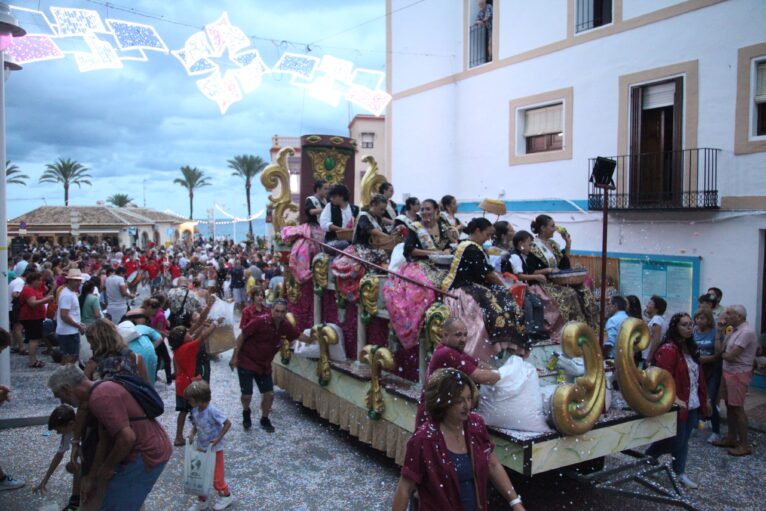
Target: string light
[(136, 36), (223, 90), (33, 48), (374, 101), (77, 21), (102, 56), (297, 65)]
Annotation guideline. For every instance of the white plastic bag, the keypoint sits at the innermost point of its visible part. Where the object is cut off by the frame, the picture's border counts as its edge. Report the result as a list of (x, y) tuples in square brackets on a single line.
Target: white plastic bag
[(572, 367), (311, 350), (222, 309), (397, 258), (86, 353), (515, 401), (198, 470)]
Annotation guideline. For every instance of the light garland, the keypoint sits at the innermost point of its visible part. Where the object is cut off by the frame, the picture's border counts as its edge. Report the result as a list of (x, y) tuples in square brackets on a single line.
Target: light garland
[(328, 79)]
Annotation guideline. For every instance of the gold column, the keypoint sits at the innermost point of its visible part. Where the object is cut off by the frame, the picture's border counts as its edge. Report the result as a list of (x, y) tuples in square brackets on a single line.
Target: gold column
[(325, 336), (378, 359)]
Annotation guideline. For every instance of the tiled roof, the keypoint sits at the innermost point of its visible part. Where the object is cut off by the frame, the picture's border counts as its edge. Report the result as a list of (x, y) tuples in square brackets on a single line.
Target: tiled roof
[(94, 215)]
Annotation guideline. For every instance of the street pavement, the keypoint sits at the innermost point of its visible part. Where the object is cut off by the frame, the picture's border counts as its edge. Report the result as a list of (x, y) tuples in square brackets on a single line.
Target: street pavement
[(308, 464)]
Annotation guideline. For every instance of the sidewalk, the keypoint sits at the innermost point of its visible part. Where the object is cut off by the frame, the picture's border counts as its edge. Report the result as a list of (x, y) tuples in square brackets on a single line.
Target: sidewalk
[(755, 408)]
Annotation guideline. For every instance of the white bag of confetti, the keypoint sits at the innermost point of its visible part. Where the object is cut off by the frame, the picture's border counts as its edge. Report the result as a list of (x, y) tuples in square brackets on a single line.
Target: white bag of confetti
[(198, 470)]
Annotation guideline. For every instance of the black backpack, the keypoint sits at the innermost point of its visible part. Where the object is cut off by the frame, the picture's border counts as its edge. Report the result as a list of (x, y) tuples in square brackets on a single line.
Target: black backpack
[(144, 394), (180, 318)]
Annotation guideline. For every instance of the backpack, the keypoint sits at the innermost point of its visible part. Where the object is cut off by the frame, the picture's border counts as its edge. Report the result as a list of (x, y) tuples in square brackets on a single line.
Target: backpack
[(180, 318), (144, 394)]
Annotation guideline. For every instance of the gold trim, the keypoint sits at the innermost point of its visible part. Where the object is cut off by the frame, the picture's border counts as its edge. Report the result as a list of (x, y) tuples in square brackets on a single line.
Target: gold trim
[(742, 124), (369, 292), (320, 272), (371, 181), (278, 174), (566, 97), (378, 359), (651, 392), (450, 278), (436, 314), (563, 44), (576, 407), (325, 336)]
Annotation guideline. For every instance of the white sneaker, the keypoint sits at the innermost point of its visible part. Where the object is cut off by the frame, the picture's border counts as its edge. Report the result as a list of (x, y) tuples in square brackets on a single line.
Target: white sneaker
[(713, 438), (687, 482), (9, 483), (223, 502), (200, 505)]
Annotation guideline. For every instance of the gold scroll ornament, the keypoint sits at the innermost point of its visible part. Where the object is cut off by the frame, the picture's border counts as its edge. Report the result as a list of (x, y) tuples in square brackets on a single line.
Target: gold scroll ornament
[(320, 270), (650, 392), (378, 358), (285, 352), (325, 336), (328, 164), (292, 288), (371, 181), (575, 407), (278, 174), (436, 315), (369, 290)]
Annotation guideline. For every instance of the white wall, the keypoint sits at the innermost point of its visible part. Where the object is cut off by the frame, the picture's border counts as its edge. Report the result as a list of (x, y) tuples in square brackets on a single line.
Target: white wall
[(633, 8), (433, 28), (536, 24)]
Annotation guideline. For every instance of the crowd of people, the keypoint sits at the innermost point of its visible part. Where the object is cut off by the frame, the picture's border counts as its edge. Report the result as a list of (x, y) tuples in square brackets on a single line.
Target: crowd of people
[(106, 317)]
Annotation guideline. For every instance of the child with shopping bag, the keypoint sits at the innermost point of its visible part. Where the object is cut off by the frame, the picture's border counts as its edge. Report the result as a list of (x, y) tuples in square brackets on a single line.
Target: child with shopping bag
[(209, 426)]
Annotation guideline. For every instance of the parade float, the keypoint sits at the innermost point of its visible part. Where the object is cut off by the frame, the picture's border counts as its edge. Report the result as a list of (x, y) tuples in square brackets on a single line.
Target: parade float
[(371, 386)]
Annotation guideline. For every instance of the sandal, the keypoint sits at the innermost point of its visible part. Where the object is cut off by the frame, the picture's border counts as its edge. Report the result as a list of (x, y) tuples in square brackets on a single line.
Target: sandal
[(179, 444), (37, 365)]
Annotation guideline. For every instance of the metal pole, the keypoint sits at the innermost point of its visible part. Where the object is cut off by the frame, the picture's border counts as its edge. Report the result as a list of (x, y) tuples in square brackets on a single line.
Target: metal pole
[(5, 355), (602, 313)]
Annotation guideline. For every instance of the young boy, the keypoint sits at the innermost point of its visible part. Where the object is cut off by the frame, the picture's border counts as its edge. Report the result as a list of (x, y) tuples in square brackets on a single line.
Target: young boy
[(209, 425), (62, 421)]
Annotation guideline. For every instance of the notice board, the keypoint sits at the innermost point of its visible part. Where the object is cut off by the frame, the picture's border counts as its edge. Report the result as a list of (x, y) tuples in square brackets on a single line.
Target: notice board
[(674, 278)]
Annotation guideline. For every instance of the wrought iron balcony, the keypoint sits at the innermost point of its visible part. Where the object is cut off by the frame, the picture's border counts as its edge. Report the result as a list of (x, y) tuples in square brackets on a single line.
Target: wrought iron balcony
[(478, 51), (684, 179)]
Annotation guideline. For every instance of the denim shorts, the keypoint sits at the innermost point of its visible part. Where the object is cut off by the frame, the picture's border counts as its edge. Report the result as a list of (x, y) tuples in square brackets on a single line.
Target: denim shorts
[(131, 484), (246, 378), (69, 344)]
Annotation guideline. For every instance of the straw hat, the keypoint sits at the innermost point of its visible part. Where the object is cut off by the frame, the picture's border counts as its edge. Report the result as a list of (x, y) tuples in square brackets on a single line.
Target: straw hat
[(495, 207), (74, 274)]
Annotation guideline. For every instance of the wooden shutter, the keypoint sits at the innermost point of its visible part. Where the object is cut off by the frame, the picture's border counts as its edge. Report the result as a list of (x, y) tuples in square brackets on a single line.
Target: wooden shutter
[(543, 121), (760, 83)]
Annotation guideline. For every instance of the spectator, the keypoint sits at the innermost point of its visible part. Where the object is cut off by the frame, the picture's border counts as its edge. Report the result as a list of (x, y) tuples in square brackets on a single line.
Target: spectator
[(655, 308), (133, 453), (634, 307), (140, 339), (256, 347), (452, 431), (117, 295), (738, 357), (616, 309), (710, 358), (32, 313), (15, 286), (718, 308), (159, 323), (63, 420), (90, 309), (238, 284), (69, 326), (678, 354), (209, 425), (111, 354)]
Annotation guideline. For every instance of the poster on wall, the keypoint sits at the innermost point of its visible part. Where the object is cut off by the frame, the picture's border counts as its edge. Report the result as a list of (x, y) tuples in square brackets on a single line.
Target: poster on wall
[(671, 280)]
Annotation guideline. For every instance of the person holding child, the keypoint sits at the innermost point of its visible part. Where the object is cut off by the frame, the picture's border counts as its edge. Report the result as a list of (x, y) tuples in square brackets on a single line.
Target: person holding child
[(209, 426)]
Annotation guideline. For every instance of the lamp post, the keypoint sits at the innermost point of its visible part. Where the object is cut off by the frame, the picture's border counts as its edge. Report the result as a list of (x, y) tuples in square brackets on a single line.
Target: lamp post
[(9, 28)]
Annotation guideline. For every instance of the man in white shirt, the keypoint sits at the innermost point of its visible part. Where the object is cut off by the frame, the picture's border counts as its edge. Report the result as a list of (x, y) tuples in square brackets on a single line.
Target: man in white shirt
[(337, 215), (117, 295), (14, 290), (69, 326)]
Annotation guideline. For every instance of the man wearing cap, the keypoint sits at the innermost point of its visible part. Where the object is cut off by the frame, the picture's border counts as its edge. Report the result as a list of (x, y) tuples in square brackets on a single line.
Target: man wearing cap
[(68, 323), (142, 339)]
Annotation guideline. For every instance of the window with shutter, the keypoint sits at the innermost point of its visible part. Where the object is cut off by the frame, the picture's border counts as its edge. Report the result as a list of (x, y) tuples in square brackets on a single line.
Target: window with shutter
[(368, 140), (543, 128)]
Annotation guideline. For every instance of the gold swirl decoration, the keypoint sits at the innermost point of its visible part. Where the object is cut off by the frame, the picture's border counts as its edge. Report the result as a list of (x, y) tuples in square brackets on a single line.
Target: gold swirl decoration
[(650, 392), (292, 288), (436, 314), (325, 336), (378, 359), (371, 181), (278, 174), (576, 407), (285, 352), (369, 291), (320, 271)]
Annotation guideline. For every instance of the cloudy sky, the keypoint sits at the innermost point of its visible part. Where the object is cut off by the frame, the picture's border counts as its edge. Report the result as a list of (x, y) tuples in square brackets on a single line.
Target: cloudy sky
[(147, 119)]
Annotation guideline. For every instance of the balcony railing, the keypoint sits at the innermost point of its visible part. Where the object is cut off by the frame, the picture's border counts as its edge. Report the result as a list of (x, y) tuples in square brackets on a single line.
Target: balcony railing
[(684, 179), (479, 45)]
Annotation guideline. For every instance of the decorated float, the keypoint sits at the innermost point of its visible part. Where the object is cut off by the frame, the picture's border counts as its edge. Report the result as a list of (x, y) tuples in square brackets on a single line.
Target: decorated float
[(366, 371)]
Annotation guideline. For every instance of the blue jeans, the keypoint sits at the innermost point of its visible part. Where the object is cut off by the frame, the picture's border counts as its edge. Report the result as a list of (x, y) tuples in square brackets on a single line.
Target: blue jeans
[(130, 485), (677, 446), (713, 373)]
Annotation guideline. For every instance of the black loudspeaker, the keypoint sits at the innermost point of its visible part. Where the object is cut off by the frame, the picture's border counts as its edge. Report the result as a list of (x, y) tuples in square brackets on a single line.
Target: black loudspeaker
[(603, 170)]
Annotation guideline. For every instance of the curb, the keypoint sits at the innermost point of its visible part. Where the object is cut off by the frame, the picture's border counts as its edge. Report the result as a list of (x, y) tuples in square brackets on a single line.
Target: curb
[(23, 422)]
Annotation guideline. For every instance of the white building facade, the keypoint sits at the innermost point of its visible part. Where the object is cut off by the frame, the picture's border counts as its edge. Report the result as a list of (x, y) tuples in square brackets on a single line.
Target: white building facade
[(675, 90)]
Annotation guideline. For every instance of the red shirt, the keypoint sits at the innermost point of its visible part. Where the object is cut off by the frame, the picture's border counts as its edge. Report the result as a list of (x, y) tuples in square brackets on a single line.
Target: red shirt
[(130, 267), (185, 358), (152, 269), (175, 271), (113, 406), (27, 312), (262, 340), (444, 357), (250, 313), (427, 463), (670, 358)]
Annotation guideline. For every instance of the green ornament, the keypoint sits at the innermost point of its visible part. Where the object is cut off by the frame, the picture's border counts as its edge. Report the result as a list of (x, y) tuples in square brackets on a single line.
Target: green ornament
[(329, 163)]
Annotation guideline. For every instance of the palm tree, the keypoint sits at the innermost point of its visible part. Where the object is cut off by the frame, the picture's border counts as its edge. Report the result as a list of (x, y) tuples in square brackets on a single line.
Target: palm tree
[(193, 178), (13, 175), (119, 200), (247, 167), (68, 172)]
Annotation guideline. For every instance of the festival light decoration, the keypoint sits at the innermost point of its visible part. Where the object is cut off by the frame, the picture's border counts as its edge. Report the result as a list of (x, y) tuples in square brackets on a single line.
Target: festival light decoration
[(81, 33)]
